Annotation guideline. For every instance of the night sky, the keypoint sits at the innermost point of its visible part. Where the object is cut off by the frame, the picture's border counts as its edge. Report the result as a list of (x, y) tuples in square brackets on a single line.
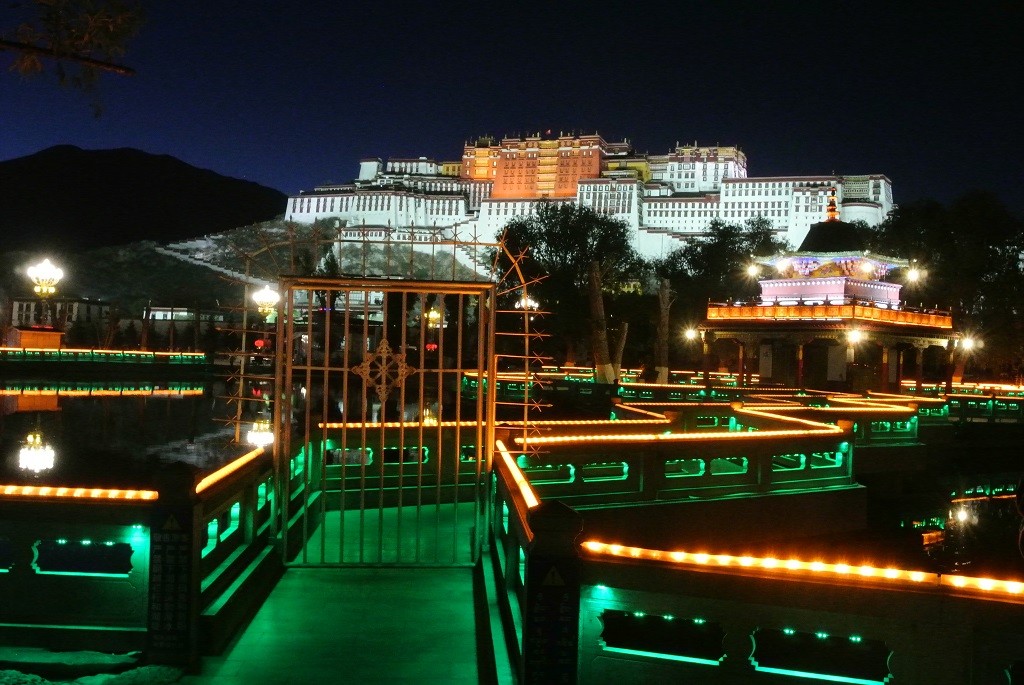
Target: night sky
[(292, 94)]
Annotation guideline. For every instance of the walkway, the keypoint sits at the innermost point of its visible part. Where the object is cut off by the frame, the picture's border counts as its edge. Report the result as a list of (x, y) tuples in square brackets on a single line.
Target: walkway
[(356, 625)]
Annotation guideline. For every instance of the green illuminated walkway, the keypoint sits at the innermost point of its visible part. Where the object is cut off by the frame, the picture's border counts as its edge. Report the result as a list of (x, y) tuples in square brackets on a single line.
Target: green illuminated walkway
[(356, 625)]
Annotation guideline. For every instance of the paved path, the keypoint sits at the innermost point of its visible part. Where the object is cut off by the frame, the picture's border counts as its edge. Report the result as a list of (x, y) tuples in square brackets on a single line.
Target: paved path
[(356, 625)]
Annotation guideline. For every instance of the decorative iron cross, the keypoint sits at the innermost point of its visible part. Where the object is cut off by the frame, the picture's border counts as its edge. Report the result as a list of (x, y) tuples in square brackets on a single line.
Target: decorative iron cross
[(384, 370)]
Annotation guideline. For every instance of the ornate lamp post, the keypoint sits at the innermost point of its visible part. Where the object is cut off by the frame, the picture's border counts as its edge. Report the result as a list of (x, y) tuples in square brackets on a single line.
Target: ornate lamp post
[(45, 277), (266, 301), (36, 456), (261, 434)]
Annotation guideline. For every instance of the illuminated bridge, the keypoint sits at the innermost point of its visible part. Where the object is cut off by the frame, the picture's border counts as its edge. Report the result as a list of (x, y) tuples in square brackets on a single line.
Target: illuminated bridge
[(719, 541)]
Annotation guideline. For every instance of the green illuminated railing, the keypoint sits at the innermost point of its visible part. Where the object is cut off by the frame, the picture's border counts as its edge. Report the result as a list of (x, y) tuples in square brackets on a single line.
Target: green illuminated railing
[(15, 355)]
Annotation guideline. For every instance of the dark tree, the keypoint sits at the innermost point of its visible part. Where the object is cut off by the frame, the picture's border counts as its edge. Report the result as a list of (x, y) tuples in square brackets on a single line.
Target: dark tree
[(80, 39), (561, 241)]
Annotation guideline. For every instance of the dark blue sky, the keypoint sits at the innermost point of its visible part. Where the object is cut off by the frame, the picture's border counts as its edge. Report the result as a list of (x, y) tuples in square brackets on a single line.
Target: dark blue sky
[(293, 94)]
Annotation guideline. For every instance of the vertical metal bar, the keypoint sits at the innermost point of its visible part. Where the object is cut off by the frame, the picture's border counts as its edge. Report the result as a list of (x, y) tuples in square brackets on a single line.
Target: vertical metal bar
[(346, 409), (419, 462), (307, 444), (439, 471), (382, 435), (420, 327), (322, 509), (457, 452), (282, 429), (401, 426)]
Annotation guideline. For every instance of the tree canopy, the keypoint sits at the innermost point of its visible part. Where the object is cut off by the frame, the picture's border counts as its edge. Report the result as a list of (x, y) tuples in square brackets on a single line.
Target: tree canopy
[(80, 38), (970, 253), (714, 267), (559, 242)]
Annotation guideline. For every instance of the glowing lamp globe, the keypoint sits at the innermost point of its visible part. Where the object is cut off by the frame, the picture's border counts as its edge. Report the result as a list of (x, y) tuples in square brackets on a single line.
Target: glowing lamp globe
[(855, 336), (261, 434), (690, 334), (753, 270), (914, 275), (36, 456), (266, 300), (45, 276), (433, 318), (967, 343)]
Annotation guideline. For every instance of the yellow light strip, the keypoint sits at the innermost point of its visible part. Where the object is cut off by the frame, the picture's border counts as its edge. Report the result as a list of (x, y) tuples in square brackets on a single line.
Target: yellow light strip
[(524, 485), (1012, 590), (228, 469), (78, 493)]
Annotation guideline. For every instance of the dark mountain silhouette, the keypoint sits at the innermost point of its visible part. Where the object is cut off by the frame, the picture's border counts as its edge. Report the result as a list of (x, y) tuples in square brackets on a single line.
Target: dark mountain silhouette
[(65, 198)]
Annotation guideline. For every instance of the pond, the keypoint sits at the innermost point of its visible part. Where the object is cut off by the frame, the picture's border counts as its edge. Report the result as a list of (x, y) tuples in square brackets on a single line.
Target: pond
[(110, 433)]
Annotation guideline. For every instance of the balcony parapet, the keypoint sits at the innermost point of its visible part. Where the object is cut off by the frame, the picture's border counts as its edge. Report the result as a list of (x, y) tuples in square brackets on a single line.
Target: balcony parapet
[(847, 310)]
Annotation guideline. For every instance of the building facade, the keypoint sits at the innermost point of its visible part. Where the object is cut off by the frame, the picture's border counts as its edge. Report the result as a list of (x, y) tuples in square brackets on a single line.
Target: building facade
[(666, 199)]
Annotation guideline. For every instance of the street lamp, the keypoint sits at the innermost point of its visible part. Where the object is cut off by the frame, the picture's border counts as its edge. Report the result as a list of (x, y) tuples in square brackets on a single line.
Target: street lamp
[(690, 334), (45, 276), (261, 434), (266, 301), (36, 456), (855, 336), (753, 270), (433, 318)]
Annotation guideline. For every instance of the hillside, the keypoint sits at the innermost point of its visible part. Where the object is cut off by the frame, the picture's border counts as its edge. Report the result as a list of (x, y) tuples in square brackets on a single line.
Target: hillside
[(67, 199)]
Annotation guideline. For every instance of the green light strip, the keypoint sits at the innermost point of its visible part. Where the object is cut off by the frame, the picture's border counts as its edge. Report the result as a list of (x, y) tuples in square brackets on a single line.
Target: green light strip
[(819, 676), (668, 657), (82, 574)]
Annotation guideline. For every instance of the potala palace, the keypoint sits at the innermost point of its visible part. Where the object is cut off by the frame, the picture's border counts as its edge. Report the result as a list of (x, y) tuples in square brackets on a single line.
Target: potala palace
[(665, 198)]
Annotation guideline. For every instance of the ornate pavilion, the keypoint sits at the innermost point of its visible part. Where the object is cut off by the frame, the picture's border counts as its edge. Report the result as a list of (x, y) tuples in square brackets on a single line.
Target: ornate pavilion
[(830, 319)]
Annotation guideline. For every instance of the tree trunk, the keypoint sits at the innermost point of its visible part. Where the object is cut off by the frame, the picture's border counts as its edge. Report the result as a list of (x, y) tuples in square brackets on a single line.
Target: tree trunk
[(603, 372), (661, 344), (620, 347)]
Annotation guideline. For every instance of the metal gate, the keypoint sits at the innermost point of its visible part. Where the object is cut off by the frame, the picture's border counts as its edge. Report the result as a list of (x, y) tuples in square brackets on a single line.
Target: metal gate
[(382, 456)]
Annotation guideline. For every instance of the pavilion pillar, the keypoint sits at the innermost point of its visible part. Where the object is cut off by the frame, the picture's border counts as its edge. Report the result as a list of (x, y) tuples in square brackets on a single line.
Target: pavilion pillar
[(706, 338), (742, 364), (800, 365), (885, 368), (919, 369), (949, 369)]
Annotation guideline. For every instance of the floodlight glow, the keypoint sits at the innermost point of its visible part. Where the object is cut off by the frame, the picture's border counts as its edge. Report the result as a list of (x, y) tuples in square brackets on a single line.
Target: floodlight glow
[(753, 270), (962, 515), (690, 334), (855, 336), (967, 343), (914, 275)]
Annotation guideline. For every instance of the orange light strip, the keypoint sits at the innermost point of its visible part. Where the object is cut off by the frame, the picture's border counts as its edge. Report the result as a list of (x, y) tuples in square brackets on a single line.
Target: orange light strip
[(99, 392), (657, 420), (77, 493), (638, 410), (980, 498), (524, 485), (228, 469), (1011, 590), (396, 424)]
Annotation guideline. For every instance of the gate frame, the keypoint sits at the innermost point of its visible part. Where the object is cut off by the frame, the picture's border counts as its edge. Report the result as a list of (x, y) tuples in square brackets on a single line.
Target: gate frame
[(283, 429)]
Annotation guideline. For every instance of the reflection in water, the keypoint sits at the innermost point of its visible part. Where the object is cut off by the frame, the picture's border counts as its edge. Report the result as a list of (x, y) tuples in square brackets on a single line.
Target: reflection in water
[(113, 435)]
